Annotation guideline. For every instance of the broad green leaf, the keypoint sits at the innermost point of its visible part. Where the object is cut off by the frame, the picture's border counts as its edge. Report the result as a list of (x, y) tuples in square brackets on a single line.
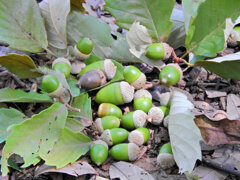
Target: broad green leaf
[(82, 102), (183, 132), (20, 65), (73, 87), (55, 14), (154, 15), (13, 95), (68, 149), (74, 125), (206, 33), (22, 26), (9, 117), (227, 66), (138, 40), (35, 136), (105, 46)]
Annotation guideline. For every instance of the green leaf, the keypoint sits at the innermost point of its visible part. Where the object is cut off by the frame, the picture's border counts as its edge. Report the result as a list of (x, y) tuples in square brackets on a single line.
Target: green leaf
[(74, 125), (35, 136), (183, 132), (73, 87), (20, 65), (227, 66), (22, 26), (82, 102), (68, 149), (154, 15), (8, 117), (55, 14), (206, 33), (13, 95)]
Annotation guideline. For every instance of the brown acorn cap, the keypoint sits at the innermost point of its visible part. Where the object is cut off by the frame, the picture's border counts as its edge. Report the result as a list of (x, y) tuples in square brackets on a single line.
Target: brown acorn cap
[(133, 152), (165, 160), (100, 142), (127, 91), (107, 137), (77, 66), (61, 59), (142, 93), (178, 67), (80, 55), (156, 115), (139, 118), (58, 92), (136, 137), (98, 123), (140, 82), (109, 68), (167, 50)]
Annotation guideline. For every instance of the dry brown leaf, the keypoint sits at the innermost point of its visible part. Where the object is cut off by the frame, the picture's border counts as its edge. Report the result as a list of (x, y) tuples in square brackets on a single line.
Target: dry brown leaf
[(233, 107), (206, 173), (215, 94), (219, 132), (203, 108), (148, 164)]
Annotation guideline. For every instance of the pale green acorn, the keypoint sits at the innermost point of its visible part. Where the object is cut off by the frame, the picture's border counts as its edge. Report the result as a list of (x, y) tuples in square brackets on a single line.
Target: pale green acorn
[(108, 109), (114, 136), (99, 152), (142, 100), (133, 120), (107, 122), (63, 65), (83, 48), (165, 158), (157, 114), (139, 136)]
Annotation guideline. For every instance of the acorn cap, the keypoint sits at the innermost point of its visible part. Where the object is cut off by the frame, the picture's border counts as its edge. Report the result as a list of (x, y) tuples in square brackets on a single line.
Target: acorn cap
[(66, 95), (167, 50), (107, 137), (99, 126), (165, 160), (156, 114), (61, 59), (165, 98), (142, 93), (80, 55), (140, 82), (109, 68), (77, 66), (58, 92), (99, 142), (165, 121), (133, 152), (139, 136), (139, 118), (127, 91)]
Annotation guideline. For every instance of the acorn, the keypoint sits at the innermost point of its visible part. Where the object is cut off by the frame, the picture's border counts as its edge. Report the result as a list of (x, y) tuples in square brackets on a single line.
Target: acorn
[(142, 100), (170, 74), (165, 158), (133, 120), (163, 95), (92, 79), (52, 86), (114, 136), (116, 93), (107, 122), (63, 65), (158, 51), (125, 152), (99, 152), (234, 38), (134, 77), (108, 109), (156, 114), (107, 66), (83, 48), (139, 136), (77, 66)]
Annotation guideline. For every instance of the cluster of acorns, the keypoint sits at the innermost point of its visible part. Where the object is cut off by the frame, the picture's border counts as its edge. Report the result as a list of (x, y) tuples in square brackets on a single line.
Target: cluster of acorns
[(110, 116)]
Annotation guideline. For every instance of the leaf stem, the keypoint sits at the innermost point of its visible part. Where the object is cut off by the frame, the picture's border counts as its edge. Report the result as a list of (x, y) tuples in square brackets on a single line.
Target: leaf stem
[(50, 52)]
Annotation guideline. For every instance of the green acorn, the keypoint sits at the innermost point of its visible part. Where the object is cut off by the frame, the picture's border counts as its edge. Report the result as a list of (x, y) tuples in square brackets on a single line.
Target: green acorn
[(165, 158), (107, 122), (107, 66), (83, 48), (52, 86), (142, 100), (108, 109), (99, 152), (156, 114), (63, 65), (116, 93), (125, 152), (114, 136), (139, 136), (134, 77), (133, 120), (158, 51), (170, 74)]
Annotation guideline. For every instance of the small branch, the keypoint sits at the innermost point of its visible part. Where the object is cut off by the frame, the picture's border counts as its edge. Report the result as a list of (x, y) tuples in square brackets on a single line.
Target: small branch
[(178, 60), (70, 108)]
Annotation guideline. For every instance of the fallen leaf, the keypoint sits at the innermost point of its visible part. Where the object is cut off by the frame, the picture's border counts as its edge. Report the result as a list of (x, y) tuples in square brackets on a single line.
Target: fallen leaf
[(76, 169), (206, 173), (148, 164), (233, 107), (127, 171), (218, 132), (215, 94)]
